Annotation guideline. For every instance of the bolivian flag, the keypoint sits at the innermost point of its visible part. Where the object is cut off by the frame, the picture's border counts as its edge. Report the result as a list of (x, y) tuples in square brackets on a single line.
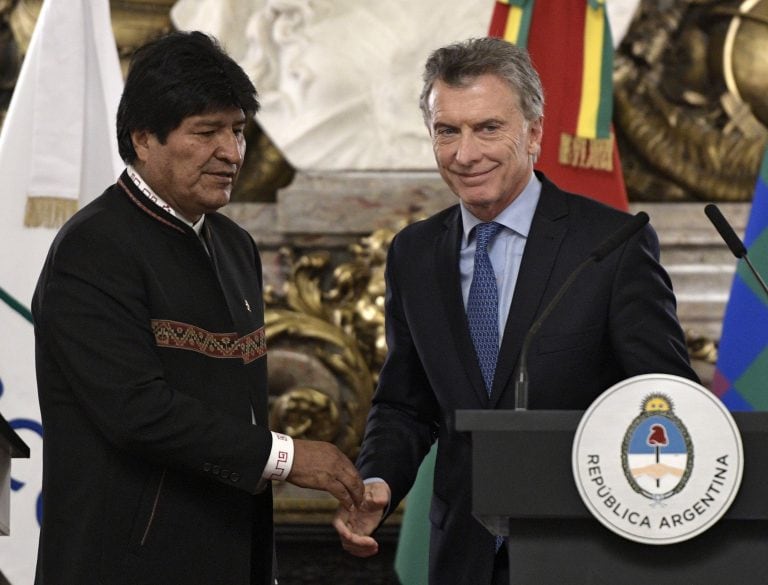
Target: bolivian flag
[(570, 44)]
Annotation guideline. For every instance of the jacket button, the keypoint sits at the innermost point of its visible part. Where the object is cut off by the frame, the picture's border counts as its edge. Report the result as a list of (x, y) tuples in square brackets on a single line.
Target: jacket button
[(234, 476), (224, 473), (215, 470), (206, 467)]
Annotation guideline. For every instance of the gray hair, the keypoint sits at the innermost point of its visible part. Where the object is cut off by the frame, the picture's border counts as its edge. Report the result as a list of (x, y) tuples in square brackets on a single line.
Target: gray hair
[(459, 63)]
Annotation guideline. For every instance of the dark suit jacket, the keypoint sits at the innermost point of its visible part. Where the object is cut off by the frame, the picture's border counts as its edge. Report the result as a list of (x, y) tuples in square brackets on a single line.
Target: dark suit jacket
[(616, 321), (149, 366)]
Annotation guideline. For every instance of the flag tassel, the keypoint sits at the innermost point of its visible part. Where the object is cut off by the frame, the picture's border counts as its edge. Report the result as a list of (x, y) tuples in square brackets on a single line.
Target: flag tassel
[(48, 212), (586, 153)]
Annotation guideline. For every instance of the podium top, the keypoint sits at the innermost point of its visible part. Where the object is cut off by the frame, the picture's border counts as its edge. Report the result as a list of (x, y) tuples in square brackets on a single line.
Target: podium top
[(8, 436), (518, 420), (536, 445)]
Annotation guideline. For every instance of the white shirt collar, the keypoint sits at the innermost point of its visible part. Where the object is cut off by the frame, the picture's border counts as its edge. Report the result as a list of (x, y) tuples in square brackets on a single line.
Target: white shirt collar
[(157, 200), (517, 216)]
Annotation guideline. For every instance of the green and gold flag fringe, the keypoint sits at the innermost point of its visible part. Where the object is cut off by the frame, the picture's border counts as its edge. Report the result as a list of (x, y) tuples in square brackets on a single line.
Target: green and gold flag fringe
[(586, 153), (48, 212)]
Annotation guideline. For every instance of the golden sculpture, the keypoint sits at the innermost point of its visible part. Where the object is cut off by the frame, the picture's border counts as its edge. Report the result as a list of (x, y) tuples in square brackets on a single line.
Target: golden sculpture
[(691, 111), (326, 337)]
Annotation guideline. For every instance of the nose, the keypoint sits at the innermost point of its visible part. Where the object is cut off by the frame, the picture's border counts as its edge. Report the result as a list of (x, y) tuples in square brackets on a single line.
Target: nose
[(231, 147), (468, 149)]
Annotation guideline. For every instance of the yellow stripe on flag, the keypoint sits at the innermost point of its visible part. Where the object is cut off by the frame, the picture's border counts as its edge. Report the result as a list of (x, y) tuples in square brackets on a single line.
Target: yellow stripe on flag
[(594, 34), (514, 19)]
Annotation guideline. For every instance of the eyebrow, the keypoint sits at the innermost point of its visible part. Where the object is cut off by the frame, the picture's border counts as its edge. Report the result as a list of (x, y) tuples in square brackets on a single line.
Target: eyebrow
[(214, 122), (479, 124)]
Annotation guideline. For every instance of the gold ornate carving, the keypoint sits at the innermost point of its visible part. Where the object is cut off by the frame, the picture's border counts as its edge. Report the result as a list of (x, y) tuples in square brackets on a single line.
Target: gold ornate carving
[(134, 22), (684, 130), (701, 348), (326, 342)]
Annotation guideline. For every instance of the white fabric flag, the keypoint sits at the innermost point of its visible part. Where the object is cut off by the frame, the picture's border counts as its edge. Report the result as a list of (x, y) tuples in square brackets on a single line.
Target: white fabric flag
[(57, 151)]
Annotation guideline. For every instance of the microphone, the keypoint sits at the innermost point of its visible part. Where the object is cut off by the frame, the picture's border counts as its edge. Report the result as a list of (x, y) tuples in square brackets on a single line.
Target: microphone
[(606, 247), (725, 230), (733, 241)]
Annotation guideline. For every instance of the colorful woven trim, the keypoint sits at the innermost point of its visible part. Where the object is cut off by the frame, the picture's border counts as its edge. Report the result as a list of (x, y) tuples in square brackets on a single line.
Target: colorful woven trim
[(146, 209), (178, 335)]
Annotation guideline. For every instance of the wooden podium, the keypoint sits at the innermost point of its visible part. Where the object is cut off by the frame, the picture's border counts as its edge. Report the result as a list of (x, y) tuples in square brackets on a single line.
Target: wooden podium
[(523, 487), (11, 447)]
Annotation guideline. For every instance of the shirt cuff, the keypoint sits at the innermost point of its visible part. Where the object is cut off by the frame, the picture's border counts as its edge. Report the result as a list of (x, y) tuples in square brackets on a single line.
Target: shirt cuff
[(280, 459)]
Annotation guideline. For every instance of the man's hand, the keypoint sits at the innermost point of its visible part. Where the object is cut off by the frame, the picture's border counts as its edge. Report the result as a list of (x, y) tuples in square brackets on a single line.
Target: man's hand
[(356, 526), (321, 466)]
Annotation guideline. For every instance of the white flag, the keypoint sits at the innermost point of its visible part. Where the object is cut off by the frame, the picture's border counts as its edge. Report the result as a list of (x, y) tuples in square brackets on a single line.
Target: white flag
[(57, 151)]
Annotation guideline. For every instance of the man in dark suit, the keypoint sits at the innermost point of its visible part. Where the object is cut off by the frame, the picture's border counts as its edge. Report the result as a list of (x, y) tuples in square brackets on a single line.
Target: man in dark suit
[(151, 352), (483, 105)]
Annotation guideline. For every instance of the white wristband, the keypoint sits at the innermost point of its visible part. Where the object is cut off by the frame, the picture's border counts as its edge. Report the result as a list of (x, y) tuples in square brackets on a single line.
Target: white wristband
[(280, 458)]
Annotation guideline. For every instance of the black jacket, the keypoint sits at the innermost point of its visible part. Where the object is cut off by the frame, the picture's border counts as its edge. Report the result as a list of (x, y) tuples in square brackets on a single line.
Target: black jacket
[(617, 320), (150, 356)]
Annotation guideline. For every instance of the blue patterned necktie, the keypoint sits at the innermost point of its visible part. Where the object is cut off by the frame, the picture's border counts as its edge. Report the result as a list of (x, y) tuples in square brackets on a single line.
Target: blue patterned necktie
[(483, 311), (483, 304)]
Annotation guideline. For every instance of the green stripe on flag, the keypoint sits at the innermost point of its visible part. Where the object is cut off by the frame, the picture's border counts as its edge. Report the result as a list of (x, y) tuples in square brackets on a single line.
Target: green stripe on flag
[(758, 254), (605, 109), (15, 305), (751, 384), (525, 23), (764, 169)]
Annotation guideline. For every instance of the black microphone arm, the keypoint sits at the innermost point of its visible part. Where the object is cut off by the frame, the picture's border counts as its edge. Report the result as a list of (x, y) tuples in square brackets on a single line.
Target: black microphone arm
[(734, 242), (609, 245)]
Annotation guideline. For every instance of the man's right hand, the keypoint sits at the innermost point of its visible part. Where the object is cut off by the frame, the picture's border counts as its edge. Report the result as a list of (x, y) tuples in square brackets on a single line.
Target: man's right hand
[(355, 527), (321, 466)]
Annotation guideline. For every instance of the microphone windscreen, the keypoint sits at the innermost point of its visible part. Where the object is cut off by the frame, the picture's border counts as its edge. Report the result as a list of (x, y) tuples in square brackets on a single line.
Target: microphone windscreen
[(725, 230)]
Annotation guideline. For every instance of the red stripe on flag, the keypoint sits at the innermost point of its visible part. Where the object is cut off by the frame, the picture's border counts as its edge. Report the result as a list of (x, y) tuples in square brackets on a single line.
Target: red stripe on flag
[(556, 45), (499, 20)]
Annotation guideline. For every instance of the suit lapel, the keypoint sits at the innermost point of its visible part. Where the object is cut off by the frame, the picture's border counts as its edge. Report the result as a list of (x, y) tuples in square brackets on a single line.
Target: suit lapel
[(447, 262), (544, 241)]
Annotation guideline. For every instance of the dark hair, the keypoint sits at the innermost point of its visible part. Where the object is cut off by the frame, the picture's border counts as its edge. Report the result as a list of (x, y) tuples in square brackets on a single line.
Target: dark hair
[(459, 63), (178, 75)]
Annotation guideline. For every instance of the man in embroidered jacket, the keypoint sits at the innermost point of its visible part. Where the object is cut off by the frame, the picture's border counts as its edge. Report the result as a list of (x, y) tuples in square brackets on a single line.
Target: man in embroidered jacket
[(151, 362)]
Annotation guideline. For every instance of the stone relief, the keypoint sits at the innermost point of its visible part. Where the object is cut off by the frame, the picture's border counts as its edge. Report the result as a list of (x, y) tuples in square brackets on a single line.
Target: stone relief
[(340, 79)]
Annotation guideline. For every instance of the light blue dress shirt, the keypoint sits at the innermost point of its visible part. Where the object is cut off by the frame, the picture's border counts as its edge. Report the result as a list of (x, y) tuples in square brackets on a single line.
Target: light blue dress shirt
[(506, 249)]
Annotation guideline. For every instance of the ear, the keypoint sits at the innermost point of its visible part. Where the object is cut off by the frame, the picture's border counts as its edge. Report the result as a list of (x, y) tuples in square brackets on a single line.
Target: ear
[(141, 141), (535, 133)]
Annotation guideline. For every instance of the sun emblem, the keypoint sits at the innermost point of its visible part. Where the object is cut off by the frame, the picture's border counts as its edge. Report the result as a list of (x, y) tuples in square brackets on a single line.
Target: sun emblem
[(655, 403)]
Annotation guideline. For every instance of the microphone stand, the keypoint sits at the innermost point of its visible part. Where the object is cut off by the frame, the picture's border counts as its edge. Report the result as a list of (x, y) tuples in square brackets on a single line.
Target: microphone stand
[(608, 246), (521, 380), (756, 274)]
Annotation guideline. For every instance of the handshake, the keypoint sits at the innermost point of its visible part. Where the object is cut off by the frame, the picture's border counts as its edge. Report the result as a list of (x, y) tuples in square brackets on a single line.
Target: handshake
[(321, 466)]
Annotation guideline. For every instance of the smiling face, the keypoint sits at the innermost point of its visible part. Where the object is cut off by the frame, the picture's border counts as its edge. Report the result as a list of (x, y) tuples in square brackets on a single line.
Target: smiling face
[(483, 145), (195, 169)]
